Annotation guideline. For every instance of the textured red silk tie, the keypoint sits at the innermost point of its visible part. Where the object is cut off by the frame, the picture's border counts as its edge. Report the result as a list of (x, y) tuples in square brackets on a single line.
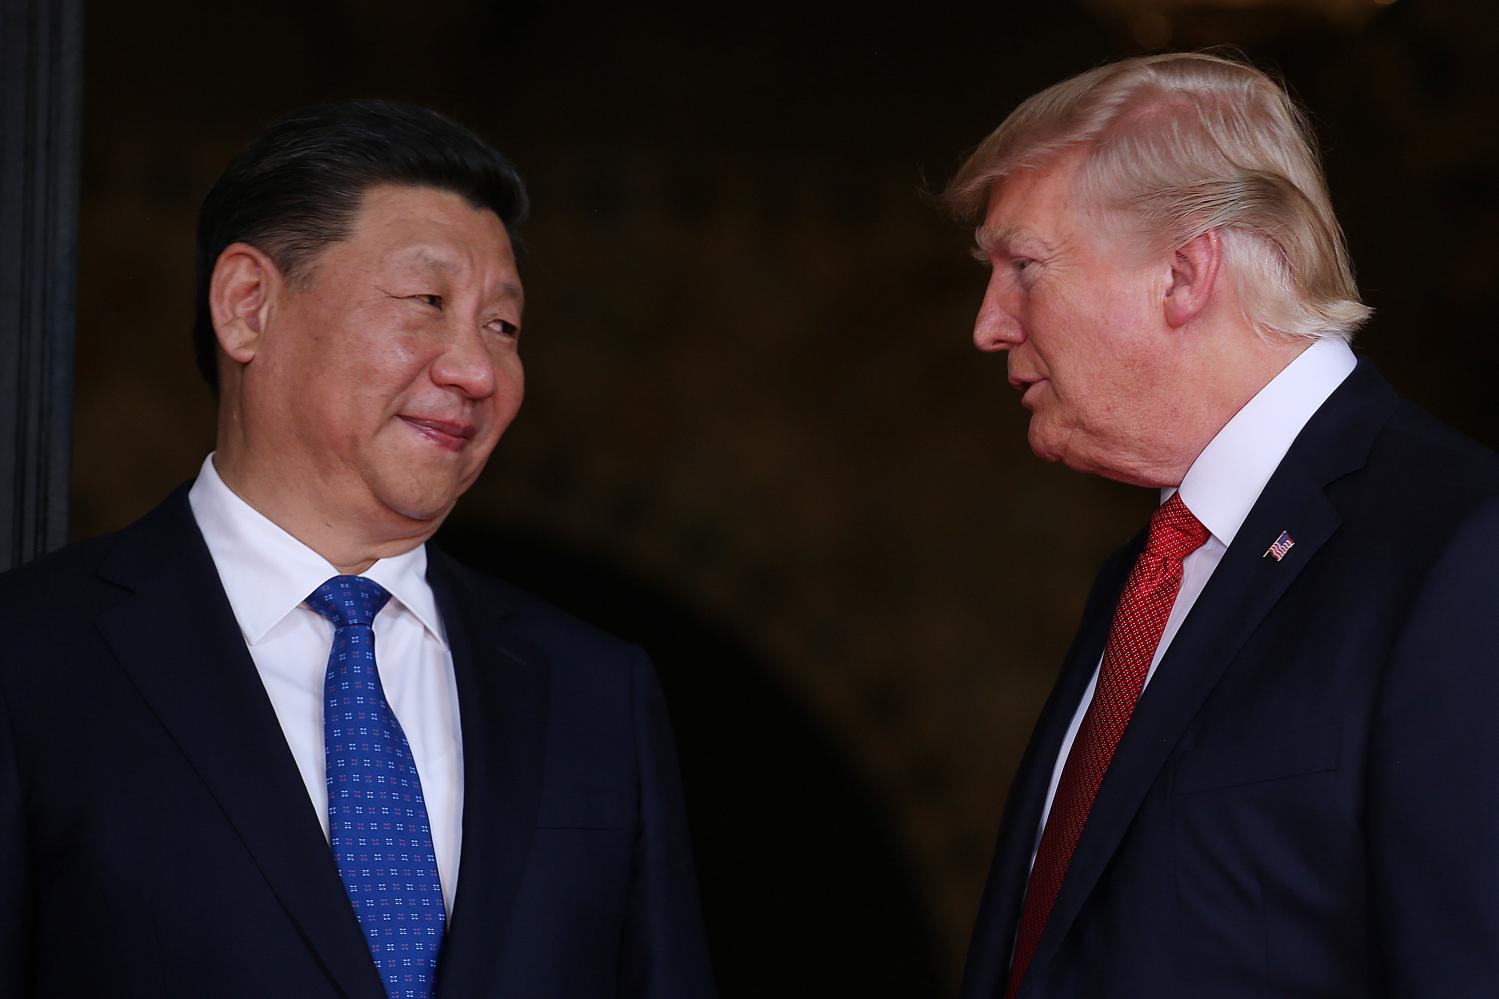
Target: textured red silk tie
[(1138, 623)]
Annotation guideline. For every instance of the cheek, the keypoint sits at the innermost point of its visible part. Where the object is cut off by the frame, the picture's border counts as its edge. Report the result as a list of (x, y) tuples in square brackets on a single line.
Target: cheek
[(383, 373), (511, 368), (509, 389), (396, 356), (1113, 325)]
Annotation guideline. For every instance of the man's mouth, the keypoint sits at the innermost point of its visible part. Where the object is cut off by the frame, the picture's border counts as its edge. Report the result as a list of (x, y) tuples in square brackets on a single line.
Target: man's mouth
[(1027, 388), (448, 434)]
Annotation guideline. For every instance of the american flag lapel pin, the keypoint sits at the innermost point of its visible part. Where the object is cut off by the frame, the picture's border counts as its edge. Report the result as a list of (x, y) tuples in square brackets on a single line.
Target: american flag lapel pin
[(1281, 545)]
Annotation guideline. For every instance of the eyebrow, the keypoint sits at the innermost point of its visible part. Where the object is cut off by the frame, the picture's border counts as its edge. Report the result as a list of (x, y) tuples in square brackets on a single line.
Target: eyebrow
[(988, 238), (425, 255)]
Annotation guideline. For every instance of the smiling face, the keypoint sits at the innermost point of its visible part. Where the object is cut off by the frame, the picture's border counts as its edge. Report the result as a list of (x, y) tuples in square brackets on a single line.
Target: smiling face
[(1078, 309), (371, 390)]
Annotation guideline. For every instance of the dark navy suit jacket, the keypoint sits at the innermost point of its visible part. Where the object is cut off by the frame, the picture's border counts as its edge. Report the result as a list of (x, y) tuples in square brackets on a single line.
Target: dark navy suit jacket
[(1306, 801), (156, 838)]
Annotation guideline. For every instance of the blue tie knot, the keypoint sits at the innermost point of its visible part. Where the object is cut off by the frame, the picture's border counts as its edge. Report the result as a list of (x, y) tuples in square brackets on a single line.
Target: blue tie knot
[(349, 601)]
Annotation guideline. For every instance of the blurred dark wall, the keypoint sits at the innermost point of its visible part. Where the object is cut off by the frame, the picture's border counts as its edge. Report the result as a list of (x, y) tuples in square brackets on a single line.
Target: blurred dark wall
[(756, 433)]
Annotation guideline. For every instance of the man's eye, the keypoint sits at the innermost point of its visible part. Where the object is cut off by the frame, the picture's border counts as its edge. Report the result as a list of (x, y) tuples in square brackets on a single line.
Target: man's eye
[(1021, 263), (504, 327), (433, 300)]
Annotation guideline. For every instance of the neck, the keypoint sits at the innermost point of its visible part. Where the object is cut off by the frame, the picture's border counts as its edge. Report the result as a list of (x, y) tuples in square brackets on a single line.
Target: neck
[(1227, 375), (284, 502)]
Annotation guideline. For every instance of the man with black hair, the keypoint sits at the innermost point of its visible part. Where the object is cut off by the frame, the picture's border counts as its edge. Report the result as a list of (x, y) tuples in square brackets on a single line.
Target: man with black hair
[(267, 742)]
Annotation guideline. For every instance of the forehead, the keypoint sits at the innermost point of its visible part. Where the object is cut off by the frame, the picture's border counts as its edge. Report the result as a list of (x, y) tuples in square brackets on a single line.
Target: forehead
[(423, 227), (1039, 202), (1045, 210)]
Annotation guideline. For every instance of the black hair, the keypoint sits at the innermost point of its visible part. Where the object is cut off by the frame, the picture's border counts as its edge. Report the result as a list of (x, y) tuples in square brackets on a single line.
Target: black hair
[(298, 187)]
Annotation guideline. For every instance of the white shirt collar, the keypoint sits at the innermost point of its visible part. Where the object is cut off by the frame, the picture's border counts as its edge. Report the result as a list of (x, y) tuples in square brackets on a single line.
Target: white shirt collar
[(266, 572), (1228, 476)]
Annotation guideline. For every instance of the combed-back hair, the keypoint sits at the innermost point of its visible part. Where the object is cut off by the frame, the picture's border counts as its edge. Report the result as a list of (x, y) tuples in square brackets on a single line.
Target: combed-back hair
[(299, 185), (1183, 143)]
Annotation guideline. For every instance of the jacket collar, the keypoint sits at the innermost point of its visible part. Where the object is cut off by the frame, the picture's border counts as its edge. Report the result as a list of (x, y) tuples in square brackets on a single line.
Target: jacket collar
[(502, 703), (177, 639)]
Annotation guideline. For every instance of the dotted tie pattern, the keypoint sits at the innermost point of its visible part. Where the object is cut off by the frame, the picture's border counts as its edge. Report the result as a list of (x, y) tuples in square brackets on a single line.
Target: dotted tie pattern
[(377, 818), (1138, 623)]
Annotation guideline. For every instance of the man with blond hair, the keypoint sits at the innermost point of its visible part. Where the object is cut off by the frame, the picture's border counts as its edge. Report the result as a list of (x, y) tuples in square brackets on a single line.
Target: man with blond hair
[(1268, 764)]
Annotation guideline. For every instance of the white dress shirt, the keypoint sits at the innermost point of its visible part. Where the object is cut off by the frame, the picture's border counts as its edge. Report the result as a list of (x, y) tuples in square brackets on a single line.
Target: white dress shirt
[(267, 574), (1222, 486)]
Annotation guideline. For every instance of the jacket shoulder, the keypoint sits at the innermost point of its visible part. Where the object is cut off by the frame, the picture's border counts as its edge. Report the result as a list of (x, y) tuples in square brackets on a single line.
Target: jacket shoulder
[(526, 614), (61, 578), (82, 576), (1429, 465)]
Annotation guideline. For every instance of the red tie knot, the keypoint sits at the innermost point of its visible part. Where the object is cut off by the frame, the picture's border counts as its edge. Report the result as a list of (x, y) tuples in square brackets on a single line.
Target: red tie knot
[(1174, 532)]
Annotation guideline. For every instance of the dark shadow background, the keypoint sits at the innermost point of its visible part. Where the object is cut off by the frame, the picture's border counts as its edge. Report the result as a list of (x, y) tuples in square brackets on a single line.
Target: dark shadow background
[(756, 437)]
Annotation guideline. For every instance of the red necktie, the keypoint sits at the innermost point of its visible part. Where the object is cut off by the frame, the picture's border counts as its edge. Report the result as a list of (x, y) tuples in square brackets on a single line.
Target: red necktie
[(1136, 631)]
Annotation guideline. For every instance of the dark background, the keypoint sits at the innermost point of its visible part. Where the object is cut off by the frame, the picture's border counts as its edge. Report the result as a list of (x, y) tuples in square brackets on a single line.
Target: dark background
[(756, 437)]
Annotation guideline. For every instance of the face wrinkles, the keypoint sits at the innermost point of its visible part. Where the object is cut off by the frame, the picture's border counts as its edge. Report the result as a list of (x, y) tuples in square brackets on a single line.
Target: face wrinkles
[(426, 273), (1004, 243), (438, 263), (380, 388), (1074, 316)]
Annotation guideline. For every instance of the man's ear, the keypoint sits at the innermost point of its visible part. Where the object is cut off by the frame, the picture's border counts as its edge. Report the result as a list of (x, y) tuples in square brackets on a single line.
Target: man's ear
[(239, 296), (1194, 271)]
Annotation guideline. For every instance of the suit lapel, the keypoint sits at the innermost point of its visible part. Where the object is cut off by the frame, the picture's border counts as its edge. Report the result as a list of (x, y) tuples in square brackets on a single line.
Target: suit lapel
[(999, 915), (502, 700), (1243, 590), (177, 638)]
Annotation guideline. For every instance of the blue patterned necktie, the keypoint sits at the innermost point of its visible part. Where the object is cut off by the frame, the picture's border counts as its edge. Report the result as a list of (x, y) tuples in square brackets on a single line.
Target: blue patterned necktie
[(377, 819)]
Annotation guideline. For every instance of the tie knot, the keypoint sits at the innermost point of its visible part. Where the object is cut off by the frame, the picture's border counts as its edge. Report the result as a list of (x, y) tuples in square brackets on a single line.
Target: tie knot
[(1175, 532), (349, 601)]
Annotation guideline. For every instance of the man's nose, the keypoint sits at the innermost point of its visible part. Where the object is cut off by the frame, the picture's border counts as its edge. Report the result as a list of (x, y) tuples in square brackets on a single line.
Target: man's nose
[(465, 362), (996, 327)]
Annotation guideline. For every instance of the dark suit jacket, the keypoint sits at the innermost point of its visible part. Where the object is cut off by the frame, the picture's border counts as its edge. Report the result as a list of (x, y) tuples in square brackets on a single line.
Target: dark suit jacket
[(1306, 801), (156, 838)]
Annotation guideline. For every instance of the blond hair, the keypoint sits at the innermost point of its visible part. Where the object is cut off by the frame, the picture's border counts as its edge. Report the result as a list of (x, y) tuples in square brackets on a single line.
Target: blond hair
[(1185, 143)]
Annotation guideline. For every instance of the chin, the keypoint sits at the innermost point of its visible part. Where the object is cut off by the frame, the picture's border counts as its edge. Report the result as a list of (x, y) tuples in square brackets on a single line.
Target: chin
[(418, 506), (417, 490), (427, 511), (1040, 446)]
